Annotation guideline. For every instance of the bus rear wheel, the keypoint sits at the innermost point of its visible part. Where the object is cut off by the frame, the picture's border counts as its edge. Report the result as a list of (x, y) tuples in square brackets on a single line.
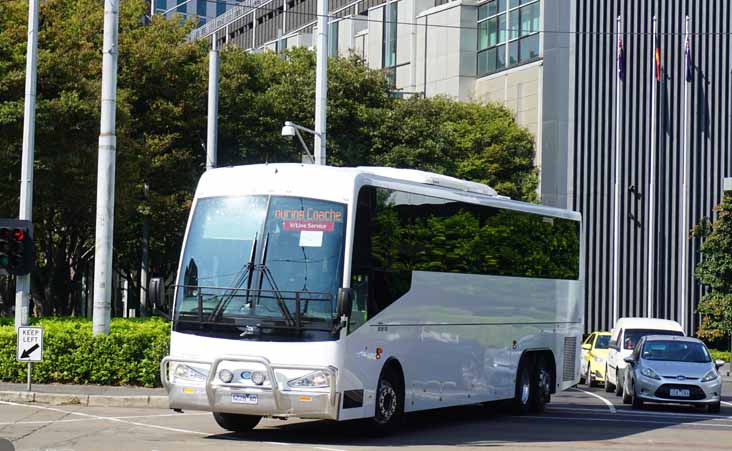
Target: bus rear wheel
[(235, 422)]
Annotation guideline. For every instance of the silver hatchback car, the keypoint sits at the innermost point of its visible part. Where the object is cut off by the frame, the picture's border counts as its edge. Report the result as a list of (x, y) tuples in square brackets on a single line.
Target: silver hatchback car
[(671, 369)]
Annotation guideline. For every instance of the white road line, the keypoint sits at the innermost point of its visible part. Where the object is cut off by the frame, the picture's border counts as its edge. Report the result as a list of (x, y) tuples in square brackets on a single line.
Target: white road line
[(621, 420), (605, 400), (278, 443), (97, 417), (328, 449), (636, 412), (726, 403), (102, 418)]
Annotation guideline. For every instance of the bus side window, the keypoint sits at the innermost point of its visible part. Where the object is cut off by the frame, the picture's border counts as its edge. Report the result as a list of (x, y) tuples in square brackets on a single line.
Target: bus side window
[(361, 259)]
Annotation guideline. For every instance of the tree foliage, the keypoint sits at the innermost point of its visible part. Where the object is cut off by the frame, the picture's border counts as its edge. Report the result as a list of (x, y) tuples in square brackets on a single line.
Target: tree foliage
[(161, 130), (714, 272)]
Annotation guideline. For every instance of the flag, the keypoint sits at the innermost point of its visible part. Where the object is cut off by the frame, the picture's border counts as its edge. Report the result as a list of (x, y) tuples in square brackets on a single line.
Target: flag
[(621, 60), (687, 57), (658, 63)]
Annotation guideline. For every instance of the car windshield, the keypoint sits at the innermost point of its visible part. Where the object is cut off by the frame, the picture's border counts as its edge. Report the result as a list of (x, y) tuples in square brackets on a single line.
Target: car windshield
[(602, 342), (676, 351), (267, 262), (632, 336)]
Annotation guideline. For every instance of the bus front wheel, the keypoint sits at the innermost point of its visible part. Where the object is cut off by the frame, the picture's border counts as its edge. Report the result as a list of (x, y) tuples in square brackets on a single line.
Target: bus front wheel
[(235, 422), (389, 409)]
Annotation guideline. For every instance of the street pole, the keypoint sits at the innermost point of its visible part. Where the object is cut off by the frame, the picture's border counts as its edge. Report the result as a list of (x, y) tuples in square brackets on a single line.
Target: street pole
[(213, 105), (105, 174), (22, 283), (683, 272), (727, 191), (616, 221), (321, 83), (651, 187), (145, 264)]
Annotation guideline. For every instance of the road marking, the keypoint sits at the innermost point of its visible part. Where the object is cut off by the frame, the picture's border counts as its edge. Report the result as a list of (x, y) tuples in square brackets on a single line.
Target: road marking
[(646, 413), (726, 403), (328, 449), (621, 420), (97, 417), (102, 418), (605, 400)]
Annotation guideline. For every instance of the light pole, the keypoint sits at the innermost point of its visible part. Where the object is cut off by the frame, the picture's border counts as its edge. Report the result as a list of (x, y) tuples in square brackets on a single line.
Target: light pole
[(292, 129), (22, 283)]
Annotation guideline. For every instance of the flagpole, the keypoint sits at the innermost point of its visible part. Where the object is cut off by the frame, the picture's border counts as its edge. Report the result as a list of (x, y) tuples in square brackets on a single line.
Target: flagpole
[(684, 184), (616, 229), (651, 187)]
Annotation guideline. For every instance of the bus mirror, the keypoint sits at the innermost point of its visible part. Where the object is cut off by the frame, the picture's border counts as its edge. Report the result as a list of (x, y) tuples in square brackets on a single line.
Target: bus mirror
[(345, 301), (156, 293)]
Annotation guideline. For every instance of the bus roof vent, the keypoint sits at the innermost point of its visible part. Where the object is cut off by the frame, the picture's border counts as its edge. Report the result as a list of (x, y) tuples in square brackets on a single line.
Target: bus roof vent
[(430, 178)]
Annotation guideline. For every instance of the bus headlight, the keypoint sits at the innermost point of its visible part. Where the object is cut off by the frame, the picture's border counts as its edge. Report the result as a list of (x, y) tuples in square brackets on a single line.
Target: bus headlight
[(188, 373), (317, 379)]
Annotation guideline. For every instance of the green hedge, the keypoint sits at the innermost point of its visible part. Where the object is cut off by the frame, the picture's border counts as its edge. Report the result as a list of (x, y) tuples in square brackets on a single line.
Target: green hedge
[(129, 355), (724, 355)]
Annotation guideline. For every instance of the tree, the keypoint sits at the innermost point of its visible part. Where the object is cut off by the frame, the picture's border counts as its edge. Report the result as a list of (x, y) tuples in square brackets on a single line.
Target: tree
[(714, 272), (161, 129)]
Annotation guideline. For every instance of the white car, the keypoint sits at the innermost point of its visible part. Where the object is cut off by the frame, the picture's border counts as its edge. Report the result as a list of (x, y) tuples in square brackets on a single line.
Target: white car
[(624, 336)]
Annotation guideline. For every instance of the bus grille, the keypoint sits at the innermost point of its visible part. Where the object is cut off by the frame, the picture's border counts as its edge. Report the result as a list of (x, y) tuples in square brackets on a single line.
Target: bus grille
[(570, 351)]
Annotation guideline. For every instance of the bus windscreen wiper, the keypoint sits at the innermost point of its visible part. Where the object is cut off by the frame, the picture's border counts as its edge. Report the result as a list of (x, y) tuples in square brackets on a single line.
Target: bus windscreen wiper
[(245, 276), (264, 273)]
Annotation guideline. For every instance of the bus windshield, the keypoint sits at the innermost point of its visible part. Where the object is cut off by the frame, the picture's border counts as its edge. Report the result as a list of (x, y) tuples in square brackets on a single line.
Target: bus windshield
[(261, 267)]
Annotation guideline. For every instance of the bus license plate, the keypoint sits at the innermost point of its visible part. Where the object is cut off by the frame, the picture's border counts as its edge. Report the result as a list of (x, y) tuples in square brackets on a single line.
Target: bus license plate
[(680, 393), (244, 398)]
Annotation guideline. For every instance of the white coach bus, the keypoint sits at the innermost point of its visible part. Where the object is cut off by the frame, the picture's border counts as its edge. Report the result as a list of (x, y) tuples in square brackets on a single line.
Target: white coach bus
[(343, 293)]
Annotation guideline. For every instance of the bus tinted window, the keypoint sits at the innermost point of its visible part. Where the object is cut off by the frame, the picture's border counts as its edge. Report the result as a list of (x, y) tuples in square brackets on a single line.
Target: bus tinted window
[(398, 232)]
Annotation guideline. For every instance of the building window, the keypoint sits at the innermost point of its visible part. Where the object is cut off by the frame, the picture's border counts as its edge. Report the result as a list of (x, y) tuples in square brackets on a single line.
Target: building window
[(508, 34), (160, 6), (333, 39), (389, 47), (201, 12), (182, 7), (220, 8)]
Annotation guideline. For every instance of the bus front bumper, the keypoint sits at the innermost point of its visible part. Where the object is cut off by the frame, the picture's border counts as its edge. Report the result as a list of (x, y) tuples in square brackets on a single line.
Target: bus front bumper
[(202, 389)]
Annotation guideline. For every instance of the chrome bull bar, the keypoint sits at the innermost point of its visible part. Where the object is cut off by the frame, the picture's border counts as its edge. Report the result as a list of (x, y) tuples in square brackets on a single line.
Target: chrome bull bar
[(279, 397)]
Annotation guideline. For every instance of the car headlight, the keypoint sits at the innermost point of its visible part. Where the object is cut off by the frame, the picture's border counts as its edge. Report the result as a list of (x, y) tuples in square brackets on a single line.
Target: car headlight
[(598, 359), (710, 376), (189, 373), (647, 372), (317, 379)]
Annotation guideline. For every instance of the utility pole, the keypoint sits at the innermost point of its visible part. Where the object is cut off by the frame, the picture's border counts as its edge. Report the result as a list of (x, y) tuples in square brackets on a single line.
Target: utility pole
[(105, 174), (213, 105), (145, 264), (321, 83), (22, 283)]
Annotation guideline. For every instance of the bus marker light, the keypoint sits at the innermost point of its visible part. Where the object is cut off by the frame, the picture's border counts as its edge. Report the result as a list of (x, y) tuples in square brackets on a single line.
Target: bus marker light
[(305, 398), (378, 353), (187, 390)]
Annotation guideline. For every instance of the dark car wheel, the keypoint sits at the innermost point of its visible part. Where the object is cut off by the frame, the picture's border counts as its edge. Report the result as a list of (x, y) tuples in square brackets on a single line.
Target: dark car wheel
[(608, 386), (636, 400), (627, 396), (618, 384)]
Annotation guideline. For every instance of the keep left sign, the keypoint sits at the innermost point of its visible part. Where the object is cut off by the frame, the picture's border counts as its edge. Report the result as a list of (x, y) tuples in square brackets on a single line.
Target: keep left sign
[(30, 344)]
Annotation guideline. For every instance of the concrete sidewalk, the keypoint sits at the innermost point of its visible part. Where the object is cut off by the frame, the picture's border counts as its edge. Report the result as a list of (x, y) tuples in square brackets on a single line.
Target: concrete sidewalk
[(86, 395)]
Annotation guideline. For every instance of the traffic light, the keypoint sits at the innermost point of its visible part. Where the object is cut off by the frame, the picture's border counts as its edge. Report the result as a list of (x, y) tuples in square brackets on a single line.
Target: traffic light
[(17, 255)]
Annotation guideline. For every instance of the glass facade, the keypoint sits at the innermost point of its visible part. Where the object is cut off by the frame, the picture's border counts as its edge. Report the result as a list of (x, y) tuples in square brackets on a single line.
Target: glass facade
[(508, 34), (201, 11), (220, 8), (389, 46)]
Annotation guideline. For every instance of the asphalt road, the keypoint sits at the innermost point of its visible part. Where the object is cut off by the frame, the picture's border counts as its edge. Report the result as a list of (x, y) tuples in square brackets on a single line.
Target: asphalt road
[(580, 418)]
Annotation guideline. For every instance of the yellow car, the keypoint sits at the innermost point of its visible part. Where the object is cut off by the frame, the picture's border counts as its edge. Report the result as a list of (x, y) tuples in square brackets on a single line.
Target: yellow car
[(594, 356)]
